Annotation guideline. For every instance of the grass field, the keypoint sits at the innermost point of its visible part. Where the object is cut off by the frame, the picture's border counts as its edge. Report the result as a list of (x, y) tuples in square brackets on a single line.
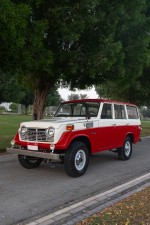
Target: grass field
[(145, 128), (9, 125)]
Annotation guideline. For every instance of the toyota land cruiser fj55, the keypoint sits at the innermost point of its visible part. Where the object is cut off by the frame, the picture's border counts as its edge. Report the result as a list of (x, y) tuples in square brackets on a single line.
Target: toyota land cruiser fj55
[(78, 129)]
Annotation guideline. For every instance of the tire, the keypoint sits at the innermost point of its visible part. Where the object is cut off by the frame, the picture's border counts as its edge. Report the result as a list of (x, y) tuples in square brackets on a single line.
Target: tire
[(76, 159), (125, 152), (29, 162)]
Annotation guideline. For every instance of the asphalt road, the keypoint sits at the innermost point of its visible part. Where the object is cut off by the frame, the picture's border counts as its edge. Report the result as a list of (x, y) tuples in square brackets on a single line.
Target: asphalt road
[(25, 194)]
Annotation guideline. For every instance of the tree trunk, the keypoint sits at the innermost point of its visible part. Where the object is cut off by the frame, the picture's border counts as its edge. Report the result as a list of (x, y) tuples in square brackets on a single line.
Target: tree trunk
[(26, 109), (39, 102)]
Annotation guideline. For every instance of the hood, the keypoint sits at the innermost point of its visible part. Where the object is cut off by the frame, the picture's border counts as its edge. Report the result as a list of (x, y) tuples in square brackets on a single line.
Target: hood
[(55, 122)]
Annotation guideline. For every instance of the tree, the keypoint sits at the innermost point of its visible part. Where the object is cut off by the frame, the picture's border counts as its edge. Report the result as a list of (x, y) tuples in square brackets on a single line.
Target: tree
[(81, 42), (130, 81), (146, 112), (27, 99), (68, 40), (14, 107), (10, 90), (74, 96), (2, 109), (53, 98), (13, 24), (111, 90)]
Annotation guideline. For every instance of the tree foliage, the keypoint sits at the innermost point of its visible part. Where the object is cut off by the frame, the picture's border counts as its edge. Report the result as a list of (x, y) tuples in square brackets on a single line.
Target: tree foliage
[(131, 81), (53, 98), (10, 90), (13, 24), (14, 107), (80, 42), (145, 112), (27, 99), (74, 96), (2, 109)]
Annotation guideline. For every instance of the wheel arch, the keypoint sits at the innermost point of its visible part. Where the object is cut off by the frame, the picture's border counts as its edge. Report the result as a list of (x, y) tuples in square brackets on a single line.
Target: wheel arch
[(131, 136), (84, 139)]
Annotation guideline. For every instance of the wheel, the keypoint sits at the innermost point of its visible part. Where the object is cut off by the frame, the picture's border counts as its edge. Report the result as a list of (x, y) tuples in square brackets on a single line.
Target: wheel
[(29, 162), (76, 159), (125, 152)]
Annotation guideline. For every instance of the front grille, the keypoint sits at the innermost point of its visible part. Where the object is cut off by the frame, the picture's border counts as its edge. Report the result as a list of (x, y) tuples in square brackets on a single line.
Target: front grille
[(33, 134), (36, 134)]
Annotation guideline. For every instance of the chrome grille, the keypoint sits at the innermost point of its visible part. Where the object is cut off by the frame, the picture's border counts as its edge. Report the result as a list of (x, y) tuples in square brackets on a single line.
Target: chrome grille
[(36, 134), (33, 134)]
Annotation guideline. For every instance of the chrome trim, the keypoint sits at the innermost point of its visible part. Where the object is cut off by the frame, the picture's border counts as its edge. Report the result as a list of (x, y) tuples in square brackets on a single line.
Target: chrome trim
[(42, 155)]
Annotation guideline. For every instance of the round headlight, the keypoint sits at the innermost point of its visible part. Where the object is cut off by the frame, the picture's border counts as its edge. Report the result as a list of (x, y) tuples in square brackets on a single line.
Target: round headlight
[(23, 130), (50, 132)]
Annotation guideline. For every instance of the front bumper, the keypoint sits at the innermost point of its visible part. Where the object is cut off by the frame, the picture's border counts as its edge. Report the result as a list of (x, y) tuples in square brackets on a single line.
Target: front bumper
[(37, 154)]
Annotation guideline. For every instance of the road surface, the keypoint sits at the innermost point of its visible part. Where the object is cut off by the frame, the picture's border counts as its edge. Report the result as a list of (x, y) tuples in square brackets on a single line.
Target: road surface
[(27, 194)]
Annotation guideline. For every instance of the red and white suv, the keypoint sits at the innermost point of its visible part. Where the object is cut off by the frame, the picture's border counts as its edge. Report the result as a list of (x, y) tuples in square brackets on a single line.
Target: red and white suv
[(78, 129)]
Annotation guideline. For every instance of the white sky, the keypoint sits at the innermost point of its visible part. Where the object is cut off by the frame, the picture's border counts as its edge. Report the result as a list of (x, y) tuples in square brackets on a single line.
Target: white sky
[(64, 92)]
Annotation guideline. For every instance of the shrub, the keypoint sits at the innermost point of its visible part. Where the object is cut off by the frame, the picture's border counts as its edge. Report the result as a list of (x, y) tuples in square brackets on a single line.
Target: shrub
[(2, 109), (13, 107)]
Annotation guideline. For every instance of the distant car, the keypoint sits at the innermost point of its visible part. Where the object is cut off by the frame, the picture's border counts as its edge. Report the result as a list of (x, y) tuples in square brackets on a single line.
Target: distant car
[(78, 129)]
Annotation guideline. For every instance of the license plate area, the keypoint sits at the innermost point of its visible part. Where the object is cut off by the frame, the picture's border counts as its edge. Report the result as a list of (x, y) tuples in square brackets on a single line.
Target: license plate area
[(32, 147)]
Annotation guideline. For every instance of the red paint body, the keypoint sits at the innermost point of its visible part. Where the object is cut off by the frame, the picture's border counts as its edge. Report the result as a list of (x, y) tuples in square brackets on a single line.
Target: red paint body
[(100, 138)]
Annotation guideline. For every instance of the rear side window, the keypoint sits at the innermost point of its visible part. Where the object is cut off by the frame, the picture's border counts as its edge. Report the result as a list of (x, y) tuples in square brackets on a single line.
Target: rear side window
[(120, 112), (106, 111), (132, 112)]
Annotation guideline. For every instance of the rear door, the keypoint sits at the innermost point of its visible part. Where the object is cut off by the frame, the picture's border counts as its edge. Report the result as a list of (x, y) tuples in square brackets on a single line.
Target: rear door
[(134, 126), (121, 124), (106, 127)]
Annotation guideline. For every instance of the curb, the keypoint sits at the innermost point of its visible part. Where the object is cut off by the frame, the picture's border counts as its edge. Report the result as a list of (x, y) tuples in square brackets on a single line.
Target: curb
[(81, 210)]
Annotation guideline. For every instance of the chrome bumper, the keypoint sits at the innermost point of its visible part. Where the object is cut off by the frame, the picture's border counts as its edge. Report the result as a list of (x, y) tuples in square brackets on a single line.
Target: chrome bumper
[(42, 155)]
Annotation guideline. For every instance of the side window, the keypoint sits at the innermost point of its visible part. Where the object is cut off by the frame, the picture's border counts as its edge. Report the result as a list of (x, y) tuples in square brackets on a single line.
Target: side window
[(76, 110), (120, 112), (93, 108), (106, 111), (83, 111), (132, 112)]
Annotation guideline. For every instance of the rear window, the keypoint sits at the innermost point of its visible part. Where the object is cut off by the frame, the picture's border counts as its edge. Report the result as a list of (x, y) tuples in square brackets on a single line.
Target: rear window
[(132, 112)]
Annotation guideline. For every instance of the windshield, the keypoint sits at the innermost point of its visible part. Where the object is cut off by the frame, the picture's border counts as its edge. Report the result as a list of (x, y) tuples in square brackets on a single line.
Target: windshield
[(80, 109)]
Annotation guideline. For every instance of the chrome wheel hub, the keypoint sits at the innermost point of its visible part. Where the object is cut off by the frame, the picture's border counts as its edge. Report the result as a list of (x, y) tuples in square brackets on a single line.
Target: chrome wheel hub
[(80, 160), (127, 148)]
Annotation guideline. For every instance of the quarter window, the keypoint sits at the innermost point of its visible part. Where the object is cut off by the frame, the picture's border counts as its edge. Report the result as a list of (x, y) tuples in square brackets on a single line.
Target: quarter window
[(106, 111), (132, 112), (119, 112)]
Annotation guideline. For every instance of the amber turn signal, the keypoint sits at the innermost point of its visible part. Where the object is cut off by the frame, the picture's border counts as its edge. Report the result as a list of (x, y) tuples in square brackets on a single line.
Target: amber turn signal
[(70, 127)]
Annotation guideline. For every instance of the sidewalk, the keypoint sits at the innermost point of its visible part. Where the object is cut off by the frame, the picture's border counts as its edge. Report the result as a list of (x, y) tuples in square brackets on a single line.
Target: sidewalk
[(81, 210)]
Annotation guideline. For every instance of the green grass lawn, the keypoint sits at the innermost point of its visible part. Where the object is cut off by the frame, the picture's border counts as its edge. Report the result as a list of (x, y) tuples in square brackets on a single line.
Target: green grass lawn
[(9, 125), (145, 128)]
